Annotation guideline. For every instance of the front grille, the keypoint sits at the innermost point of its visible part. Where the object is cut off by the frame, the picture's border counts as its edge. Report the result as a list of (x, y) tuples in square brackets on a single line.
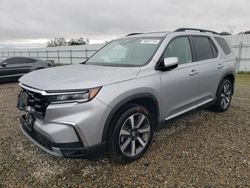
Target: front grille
[(37, 102)]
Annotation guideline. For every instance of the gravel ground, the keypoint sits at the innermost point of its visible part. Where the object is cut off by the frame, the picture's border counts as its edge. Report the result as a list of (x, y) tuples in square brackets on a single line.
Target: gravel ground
[(200, 149)]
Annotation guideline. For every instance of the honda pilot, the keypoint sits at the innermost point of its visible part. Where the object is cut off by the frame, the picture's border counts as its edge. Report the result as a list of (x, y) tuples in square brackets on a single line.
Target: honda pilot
[(118, 98)]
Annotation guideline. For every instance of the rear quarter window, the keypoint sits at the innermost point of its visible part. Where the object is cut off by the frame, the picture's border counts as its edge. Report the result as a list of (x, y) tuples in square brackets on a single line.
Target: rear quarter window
[(224, 45)]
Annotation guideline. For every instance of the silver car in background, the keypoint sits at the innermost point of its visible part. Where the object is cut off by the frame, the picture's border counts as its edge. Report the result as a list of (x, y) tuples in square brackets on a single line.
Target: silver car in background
[(117, 99)]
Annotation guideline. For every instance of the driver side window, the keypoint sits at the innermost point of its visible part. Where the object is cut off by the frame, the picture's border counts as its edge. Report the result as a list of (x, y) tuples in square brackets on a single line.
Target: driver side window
[(180, 48)]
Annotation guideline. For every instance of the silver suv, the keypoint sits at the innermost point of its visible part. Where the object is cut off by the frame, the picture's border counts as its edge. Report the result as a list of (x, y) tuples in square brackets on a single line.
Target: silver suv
[(121, 95)]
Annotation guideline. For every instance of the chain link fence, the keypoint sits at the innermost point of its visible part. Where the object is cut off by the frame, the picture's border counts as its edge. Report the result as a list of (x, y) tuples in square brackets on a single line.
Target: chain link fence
[(243, 61), (241, 47), (60, 55)]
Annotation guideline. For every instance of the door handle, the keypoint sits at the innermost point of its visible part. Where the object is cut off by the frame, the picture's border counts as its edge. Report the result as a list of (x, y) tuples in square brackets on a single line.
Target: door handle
[(193, 72), (220, 66)]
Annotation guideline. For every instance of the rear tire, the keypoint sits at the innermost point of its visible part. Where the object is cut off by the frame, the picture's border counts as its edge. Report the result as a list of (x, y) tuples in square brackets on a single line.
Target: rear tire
[(132, 134), (223, 96)]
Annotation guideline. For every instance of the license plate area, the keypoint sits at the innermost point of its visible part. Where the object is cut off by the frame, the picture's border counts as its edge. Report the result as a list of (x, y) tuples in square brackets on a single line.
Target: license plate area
[(22, 101)]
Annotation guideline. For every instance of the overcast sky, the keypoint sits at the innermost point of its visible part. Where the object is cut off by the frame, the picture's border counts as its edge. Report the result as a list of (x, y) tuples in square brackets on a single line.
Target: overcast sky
[(32, 22)]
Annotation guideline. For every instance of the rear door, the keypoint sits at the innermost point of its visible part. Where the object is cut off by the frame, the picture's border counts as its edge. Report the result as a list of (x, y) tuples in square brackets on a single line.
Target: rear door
[(210, 68)]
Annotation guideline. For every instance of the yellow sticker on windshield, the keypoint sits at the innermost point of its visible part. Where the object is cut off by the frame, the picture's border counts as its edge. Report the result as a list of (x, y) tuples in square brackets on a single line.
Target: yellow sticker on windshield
[(150, 41)]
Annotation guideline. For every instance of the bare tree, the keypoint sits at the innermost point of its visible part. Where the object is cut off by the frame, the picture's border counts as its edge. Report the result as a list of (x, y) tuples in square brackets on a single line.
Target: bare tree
[(60, 41), (225, 33), (247, 32), (79, 41)]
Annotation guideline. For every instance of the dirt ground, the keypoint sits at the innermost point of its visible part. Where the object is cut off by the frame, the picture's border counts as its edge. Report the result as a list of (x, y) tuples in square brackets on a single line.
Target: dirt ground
[(200, 149)]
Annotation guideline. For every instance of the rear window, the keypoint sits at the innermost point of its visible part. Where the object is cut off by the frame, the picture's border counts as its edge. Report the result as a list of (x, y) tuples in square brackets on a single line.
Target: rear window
[(224, 45), (203, 48)]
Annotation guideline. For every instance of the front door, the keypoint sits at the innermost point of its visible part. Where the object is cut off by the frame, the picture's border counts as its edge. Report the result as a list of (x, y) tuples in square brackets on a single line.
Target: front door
[(179, 87)]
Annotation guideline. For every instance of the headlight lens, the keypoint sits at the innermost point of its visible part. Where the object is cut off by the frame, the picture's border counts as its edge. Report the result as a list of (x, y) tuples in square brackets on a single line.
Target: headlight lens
[(75, 96)]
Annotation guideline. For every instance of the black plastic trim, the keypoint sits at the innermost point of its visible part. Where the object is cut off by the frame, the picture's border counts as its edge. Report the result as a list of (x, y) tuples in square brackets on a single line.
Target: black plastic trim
[(86, 152), (230, 73)]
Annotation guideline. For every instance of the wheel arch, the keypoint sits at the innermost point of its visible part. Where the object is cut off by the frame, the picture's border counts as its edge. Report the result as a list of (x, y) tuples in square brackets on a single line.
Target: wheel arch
[(229, 76), (145, 99)]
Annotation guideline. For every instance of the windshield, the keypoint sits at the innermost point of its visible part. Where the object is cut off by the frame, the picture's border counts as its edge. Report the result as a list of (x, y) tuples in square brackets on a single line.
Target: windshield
[(126, 52)]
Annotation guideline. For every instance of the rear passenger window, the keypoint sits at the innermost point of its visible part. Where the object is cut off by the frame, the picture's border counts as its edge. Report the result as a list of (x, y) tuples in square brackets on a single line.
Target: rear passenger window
[(29, 60), (224, 45), (16, 60), (203, 48), (180, 48)]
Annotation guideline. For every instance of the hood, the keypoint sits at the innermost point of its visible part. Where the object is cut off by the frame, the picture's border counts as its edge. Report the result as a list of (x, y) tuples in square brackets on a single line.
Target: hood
[(77, 77)]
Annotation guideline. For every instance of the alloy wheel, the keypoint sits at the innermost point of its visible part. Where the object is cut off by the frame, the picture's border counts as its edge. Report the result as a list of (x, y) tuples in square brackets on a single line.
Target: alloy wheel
[(134, 134), (226, 95)]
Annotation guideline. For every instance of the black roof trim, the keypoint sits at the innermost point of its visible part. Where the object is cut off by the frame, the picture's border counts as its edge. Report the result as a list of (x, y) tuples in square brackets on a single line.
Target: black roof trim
[(195, 29)]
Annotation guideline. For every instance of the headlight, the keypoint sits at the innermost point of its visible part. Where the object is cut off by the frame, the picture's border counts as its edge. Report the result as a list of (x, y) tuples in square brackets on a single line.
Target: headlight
[(74, 96)]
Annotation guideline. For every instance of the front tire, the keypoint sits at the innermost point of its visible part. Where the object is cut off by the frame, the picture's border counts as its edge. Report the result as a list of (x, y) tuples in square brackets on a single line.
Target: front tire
[(132, 134), (224, 96)]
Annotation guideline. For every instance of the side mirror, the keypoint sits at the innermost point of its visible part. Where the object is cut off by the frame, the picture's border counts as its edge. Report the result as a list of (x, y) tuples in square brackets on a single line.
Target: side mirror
[(4, 64), (171, 62)]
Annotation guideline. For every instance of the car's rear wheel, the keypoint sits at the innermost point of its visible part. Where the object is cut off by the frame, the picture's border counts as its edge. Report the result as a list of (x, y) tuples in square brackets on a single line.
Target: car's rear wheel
[(224, 96), (132, 134)]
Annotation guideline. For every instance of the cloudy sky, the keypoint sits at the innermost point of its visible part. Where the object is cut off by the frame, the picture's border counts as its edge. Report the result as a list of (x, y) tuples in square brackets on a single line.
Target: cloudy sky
[(27, 23)]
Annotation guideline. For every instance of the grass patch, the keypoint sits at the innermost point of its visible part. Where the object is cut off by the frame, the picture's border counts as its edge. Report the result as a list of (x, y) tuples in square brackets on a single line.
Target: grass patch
[(243, 79), (243, 72)]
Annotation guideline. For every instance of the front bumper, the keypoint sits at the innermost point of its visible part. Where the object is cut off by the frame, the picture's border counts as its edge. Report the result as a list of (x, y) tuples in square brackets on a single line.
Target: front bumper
[(70, 150), (67, 129)]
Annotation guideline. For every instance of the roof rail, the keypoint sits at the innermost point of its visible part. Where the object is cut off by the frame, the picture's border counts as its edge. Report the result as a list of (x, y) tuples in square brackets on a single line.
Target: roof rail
[(133, 34), (194, 29)]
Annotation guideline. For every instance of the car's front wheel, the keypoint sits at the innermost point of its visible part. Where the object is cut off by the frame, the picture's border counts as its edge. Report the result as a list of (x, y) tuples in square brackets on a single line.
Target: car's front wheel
[(132, 134)]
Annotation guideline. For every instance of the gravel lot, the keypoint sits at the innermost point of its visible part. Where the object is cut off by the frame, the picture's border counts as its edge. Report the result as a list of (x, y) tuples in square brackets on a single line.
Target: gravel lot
[(201, 148)]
